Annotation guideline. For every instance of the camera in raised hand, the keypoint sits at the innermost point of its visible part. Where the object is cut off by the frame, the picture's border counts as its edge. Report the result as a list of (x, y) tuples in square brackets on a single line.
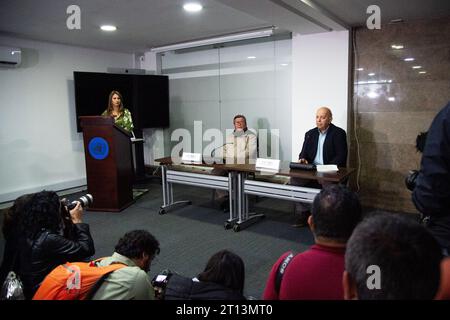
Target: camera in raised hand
[(85, 202), (70, 216)]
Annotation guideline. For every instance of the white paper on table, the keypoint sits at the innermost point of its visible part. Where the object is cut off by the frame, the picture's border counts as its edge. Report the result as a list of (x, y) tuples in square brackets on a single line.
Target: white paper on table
[(327, 168)]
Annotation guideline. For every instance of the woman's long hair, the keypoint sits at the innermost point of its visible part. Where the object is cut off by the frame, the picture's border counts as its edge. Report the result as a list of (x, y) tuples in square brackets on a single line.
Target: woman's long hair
[(110, 105), (225, 268), (42, 212)]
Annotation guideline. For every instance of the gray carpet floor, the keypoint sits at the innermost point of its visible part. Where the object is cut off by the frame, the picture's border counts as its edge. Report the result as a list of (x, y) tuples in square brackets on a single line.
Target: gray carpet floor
[(188, 236)]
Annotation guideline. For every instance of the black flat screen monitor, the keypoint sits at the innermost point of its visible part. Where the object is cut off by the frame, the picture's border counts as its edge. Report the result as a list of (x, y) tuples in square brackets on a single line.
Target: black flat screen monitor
[(146, 96)]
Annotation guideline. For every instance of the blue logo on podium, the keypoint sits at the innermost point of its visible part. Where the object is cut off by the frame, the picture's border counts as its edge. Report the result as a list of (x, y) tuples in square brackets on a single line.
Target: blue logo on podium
[(98, 148)]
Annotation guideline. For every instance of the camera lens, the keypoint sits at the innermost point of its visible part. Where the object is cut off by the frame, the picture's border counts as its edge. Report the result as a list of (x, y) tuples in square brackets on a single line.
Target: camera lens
[(85, 201)]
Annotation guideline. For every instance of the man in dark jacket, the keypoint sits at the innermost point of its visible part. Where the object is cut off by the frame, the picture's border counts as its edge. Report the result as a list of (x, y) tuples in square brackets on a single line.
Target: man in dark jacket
[(43, 246), (431, 194), (325, 144)]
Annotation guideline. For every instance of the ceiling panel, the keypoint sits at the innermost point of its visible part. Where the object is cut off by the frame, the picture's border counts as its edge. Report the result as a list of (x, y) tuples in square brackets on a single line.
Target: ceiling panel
[(143, 24)]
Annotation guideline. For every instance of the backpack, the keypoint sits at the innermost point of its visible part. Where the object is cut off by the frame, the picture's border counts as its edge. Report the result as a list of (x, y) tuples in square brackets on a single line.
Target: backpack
[(74, 281), (12, 288)]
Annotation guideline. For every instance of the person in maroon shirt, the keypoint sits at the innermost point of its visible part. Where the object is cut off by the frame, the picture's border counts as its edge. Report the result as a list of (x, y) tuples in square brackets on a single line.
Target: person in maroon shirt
[(316, 274)]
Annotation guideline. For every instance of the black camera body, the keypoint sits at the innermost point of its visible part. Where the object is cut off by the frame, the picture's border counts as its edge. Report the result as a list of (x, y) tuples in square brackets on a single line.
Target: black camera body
[(410, 180), (159, 283), (66, 206)]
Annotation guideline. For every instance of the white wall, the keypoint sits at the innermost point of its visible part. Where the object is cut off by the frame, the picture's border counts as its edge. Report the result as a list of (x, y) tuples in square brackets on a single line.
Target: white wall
[(320, 74), (149, 61), (153, 138), (39, 145)]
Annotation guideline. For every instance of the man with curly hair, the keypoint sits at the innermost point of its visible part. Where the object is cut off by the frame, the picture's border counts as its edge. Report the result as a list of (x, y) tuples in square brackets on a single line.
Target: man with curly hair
[(136, 249)]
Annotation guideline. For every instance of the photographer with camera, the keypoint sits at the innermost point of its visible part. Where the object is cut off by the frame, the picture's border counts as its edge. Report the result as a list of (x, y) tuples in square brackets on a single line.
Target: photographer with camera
[(67, 207), (136, 250), (431, 194), (43, 245)]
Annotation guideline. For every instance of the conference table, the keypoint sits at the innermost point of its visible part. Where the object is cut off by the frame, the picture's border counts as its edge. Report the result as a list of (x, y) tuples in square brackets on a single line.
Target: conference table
[(199, 175), (239, 185), (263, 185)]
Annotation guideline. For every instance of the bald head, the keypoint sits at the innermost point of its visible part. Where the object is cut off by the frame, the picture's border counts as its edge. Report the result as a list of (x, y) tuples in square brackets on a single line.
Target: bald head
[(323, 118)]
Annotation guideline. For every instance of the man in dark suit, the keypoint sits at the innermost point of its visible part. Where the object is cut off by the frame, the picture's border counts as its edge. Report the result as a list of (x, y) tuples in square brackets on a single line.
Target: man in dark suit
[(325, 144), (431, 194)]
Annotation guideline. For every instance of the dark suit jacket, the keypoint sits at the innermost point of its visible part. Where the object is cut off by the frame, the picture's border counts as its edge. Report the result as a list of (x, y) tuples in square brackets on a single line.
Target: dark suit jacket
[(334, 147), (432, 192)]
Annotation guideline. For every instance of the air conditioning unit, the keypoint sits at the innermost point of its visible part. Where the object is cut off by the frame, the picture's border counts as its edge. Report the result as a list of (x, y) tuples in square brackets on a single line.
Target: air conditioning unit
[(10, 57)]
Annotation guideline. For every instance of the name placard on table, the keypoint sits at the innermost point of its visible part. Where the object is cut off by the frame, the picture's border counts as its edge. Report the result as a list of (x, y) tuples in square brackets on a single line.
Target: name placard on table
[(327, 168), (188, 157), (264, 164)]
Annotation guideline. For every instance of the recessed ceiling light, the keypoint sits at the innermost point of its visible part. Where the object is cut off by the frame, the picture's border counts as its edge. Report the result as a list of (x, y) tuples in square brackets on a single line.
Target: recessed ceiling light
[(422, 72), (417, 67), (192, 7), (251, 57), (397, 46), (283, 64), (371, 74), (359, 69), (391, 98), (108, 28), (408, 59)]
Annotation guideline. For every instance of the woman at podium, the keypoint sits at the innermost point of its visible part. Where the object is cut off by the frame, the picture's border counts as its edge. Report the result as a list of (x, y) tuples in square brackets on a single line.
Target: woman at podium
[(121, 115)]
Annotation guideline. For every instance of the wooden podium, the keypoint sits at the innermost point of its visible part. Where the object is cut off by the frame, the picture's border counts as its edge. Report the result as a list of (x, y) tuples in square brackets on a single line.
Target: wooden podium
[(109, 163)]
